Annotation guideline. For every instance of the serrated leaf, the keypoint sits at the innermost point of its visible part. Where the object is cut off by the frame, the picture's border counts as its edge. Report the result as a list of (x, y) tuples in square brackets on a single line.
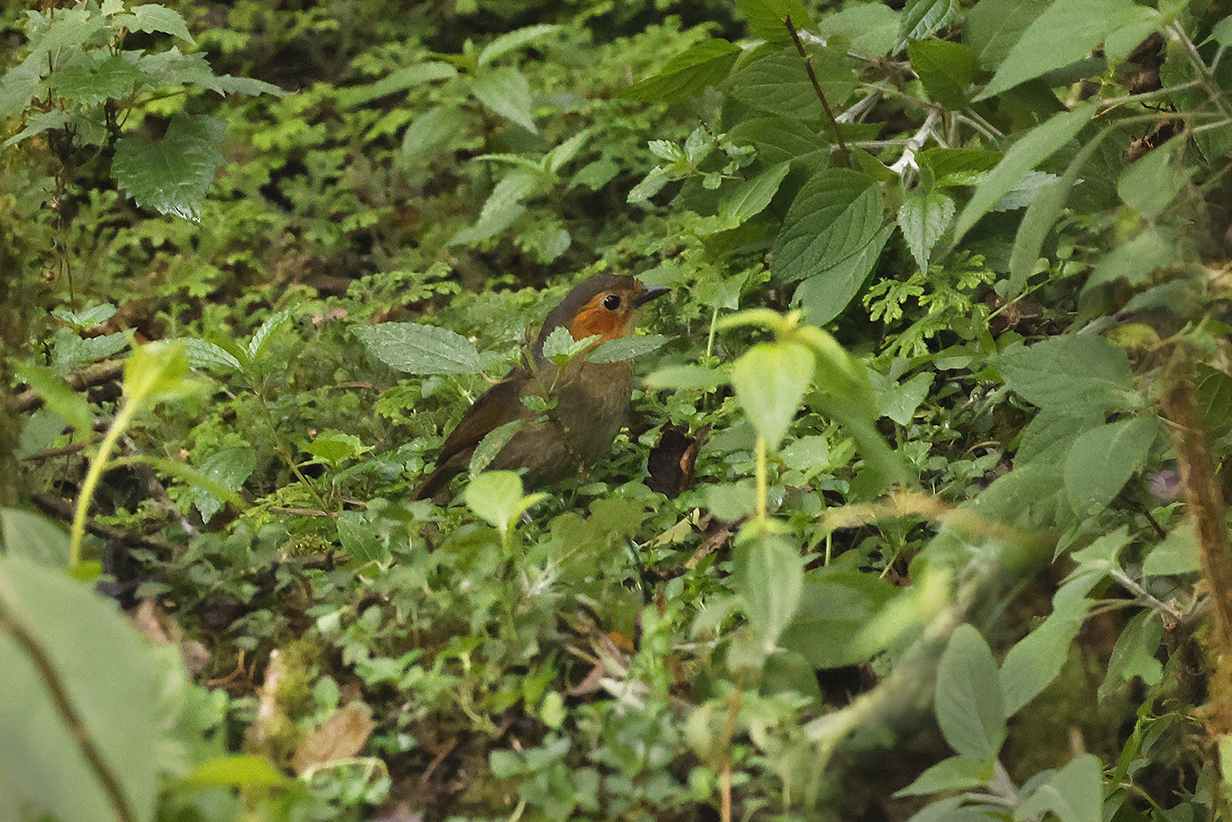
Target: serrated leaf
[(698, 66), (751, 197), (430, 129), (1152, 183), (626, 348), (872, 28), (923, 18), (923, 219), (835, 216), (1136, 260), (1033, 148), (1085, 22), (1133, 655), (420, 349), (770, 381), (503, 206), (1068, 372), (765, 18), (361, 538), (260, 339), (824, 295), (779, 83), (968, 697), (202, 354), (153, 17), (1214, 395), (946, 69), (399, 80), (506, 91), (1103, 459), (171, 175), (230, 468), (39, 123), (88, 85)]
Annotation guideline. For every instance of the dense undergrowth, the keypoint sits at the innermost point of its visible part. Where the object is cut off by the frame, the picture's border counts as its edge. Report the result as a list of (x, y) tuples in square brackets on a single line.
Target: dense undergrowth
[(960, 555)]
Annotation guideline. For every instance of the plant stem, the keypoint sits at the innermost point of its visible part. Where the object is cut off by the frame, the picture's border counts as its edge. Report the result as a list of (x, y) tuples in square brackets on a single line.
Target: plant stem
[(761, 481), (843, 157), (97, 466)]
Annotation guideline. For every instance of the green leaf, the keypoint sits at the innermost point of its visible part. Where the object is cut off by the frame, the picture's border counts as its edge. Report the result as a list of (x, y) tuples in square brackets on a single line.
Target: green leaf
[(994, 26), (361, 538), (1213, 389), (946, 69), (751, 197), (497, 497), (72, 407), (1178, 553), (1103, 459), (1085, 24), (1134, 654), (39, 123), (1068, 372), (779, 83), (768, 575), (685, 378), (968, 697), (899, 401), (261, 337), (871, 28), (779, 139), (155, 18), (230, 468), (171, 175), (923, 18), (1135, 261), (503, 206), (924, 218), (626, 348), (235, 772), (770, 381), (1033, 148), (88, 85), (834, 217), (28, 535), (1041, 216), (202, 354), (1152, 183), (420, 349), (954, 774), (698, 66), (506, 91), (116, 686), (1034, 662), (155, 370), (333, 447), (511, 41), (491, 445), (1074, 794), (560, 347), (824, 295), (765, 18), (836, 604), (400, 80)]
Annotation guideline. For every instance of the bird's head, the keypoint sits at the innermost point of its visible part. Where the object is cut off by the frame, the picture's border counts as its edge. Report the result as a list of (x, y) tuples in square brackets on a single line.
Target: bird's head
[(602, 306)]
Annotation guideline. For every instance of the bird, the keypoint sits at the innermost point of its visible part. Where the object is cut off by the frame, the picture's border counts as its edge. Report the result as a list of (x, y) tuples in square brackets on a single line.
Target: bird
[(586, 404)]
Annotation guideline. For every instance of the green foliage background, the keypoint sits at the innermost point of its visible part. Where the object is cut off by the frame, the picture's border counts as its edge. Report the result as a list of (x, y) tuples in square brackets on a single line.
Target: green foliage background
[(947, 335)]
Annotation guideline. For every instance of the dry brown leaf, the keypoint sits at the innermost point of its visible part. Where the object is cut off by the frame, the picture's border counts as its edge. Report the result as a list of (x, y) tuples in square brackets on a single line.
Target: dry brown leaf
[(341, 736)]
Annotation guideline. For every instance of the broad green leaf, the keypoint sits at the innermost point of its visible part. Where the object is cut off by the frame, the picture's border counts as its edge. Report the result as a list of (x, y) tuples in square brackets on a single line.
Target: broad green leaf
[(1152, 183), (428, 130), (924, 219), (1134, 654), (1034, 662), (768, 574), (751, 197), (39, 123), (513, 40), (1137, 25), (779, 139), (765, 18), (89, 318), (968, 697), (958, 166), (152, 17), (37, 538), (503, 206), (420, 349), (770, 381), (923, 18), (1103, 459), (1178, 553), (626, 348), (824, 295), (261, 337), (871, 28), (72, 407), (171, 175), (946, 69), (1085, 24), (834, 217), (954, 774), (114, 683), (560, 347), (1135, 261), (899, 401), (491, 445), (1042, 214), (506, 91), (333, 447), (202, 354), (1033, 148), (1068, 372), (685, 377), (241, 771), (836, 604), (361, 538), (1074, 794), (230, 468), (69, 29), (154, 370), (497, 497), (89, 85), (19, 85), (698, 66), (994, 26), (1214, 395), (779, 83)]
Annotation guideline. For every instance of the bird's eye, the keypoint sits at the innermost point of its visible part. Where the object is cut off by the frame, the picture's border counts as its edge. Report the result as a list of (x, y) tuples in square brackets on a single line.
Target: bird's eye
[(611, 302)]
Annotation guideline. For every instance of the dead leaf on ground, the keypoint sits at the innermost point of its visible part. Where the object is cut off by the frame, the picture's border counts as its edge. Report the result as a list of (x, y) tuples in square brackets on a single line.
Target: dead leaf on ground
[(342, 736)]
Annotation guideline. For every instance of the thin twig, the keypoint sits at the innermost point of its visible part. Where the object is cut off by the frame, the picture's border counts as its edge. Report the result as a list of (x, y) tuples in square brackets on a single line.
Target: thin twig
[(844, 156)]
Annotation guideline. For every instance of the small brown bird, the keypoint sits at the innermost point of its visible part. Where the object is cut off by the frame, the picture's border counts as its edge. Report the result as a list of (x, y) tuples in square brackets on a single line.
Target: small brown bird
[(586, 404)]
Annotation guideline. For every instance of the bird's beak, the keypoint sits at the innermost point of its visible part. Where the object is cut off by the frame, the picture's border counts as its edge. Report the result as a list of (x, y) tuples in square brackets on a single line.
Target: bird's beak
[(649, 294)]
